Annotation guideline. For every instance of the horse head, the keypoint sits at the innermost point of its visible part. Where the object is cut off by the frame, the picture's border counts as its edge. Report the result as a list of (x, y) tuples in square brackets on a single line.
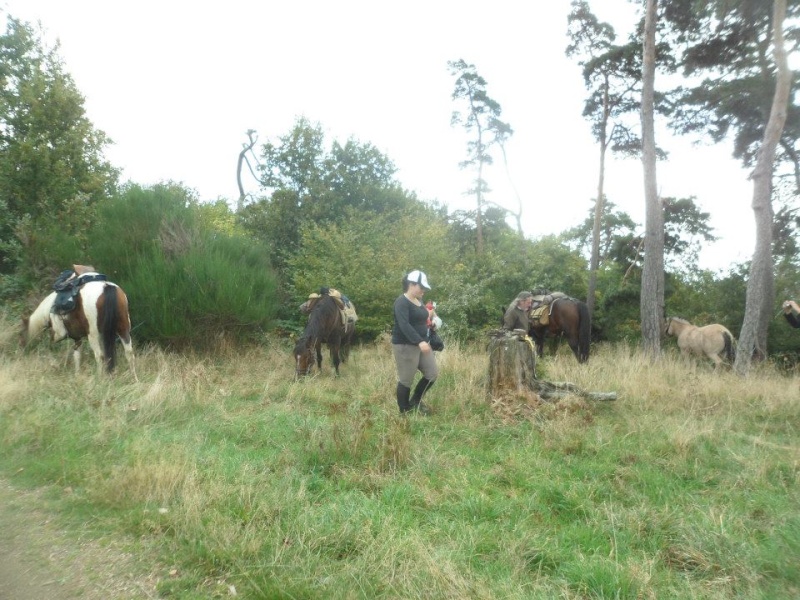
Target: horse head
[(303, 356), (35, 323), (674, 326)]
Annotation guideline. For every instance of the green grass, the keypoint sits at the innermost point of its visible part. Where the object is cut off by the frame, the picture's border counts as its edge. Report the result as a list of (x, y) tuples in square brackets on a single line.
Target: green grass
[(228, 472)]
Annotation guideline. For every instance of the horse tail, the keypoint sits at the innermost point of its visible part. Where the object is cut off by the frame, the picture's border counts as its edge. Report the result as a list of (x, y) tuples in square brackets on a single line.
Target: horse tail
[(730, 351), (584, 331), (111, 314)]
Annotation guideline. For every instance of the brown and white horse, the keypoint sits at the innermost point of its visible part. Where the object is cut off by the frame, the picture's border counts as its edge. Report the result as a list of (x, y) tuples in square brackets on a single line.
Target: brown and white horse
[(100, 314)]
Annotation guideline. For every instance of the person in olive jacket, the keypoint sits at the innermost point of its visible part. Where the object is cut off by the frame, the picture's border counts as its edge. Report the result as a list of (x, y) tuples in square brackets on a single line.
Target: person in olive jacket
[(516, 316)]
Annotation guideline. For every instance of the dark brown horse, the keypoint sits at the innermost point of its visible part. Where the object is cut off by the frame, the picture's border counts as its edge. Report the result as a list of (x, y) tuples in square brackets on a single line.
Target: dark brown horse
[(567, 316), (100, 315), (329, 324)]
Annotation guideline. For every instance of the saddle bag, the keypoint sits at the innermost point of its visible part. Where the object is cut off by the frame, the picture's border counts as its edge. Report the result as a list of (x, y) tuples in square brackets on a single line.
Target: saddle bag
[(540, 316), (436, 342), (67, 287)]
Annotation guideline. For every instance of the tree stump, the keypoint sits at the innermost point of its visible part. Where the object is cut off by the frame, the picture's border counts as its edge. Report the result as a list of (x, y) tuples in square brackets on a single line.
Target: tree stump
[(512, 362), (512, 370)]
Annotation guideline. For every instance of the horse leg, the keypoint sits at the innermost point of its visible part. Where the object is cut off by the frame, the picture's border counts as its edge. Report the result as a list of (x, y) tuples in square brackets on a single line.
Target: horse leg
[(97, 348), (318, 348), (128, 346), (335, 357), (538, 340), (58, 330), (344, 349), (689, 361), (76, 356), (572, 340)]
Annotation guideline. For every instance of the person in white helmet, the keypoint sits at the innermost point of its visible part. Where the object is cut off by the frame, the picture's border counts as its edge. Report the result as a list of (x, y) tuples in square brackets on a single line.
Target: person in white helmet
[(410, 346)]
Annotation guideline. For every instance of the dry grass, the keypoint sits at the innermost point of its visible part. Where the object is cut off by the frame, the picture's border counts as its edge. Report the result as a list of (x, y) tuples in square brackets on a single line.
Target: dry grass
[(250, 476)]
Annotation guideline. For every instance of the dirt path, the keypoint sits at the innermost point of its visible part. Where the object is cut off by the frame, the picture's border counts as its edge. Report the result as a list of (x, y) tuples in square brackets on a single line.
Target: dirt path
[(40, 561)]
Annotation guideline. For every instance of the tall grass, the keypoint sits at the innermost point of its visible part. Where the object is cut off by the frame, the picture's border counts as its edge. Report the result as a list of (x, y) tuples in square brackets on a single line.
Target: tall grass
[(231, 473)]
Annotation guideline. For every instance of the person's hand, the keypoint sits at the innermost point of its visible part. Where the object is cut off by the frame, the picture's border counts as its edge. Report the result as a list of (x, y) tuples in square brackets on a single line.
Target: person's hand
[(425, 347)]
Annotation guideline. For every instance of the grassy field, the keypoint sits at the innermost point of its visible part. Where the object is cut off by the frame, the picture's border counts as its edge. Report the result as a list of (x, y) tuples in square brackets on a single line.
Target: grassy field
[(223, 471)]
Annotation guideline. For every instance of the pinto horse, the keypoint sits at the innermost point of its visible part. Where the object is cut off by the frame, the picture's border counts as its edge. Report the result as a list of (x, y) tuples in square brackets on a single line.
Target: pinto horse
[(567, 316), (713, 341), (100, 314), (327, 323)]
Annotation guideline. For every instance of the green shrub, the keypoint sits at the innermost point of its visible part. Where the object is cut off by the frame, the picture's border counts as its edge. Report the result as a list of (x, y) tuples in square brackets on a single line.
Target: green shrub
[(187, 283)]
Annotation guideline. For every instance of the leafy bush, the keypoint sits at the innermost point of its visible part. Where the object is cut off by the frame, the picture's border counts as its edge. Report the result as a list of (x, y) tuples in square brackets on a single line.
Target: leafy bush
[(187, 282), (366, 257)]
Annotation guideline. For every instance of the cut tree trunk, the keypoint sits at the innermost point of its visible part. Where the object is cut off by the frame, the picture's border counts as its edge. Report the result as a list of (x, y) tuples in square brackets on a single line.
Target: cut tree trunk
[(512, 370)]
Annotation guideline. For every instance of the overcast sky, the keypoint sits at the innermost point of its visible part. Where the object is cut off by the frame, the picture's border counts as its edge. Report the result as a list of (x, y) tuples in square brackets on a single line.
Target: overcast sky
[(177, 84)]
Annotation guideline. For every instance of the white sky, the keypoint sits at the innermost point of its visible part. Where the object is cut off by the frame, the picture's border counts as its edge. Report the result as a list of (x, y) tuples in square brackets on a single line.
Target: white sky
[(176, 84)]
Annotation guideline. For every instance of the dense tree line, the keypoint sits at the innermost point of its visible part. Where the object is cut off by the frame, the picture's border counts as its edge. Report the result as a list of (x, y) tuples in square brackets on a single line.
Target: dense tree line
[(327, 214)]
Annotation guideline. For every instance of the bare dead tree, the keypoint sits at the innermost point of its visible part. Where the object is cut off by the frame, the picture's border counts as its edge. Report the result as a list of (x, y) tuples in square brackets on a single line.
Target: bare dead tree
[(247, 148)]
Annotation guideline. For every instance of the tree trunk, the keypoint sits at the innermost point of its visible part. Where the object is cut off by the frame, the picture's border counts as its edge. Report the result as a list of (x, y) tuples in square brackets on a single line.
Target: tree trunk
[(760, 284), (240, 163), (479, 194), (594, 261), (512, 363), (652, 293)]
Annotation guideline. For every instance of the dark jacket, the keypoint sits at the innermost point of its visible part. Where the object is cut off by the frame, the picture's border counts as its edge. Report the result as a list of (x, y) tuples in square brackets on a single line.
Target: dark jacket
[(793, 320), (410, 322)]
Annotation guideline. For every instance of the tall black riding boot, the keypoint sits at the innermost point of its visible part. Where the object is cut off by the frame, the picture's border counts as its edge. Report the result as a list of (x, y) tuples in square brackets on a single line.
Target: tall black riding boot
[(403, 402), (416, 400)]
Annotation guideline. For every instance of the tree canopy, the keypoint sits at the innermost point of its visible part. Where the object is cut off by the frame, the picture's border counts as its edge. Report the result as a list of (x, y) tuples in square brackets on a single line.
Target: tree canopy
[(51, 156)]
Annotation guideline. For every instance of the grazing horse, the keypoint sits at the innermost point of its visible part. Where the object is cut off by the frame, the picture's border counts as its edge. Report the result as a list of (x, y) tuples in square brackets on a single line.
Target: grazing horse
[(567, 316), (713, 341), (328, 322), (100, 314)]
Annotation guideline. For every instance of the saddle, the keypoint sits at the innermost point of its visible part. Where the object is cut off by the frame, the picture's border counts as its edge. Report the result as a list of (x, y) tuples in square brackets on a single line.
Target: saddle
[(545, 298), (68, 285), (542, 304), (346, 308)]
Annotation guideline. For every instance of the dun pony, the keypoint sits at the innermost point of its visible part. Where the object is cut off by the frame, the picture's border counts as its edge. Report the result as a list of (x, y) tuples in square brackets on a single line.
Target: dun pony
[(100, 315), (713, 341)]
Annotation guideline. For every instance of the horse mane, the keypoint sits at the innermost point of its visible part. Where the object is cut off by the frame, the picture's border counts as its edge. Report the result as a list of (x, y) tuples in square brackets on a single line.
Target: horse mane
[(39, 319), (679, 320), (322, 310), (319, 320)]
